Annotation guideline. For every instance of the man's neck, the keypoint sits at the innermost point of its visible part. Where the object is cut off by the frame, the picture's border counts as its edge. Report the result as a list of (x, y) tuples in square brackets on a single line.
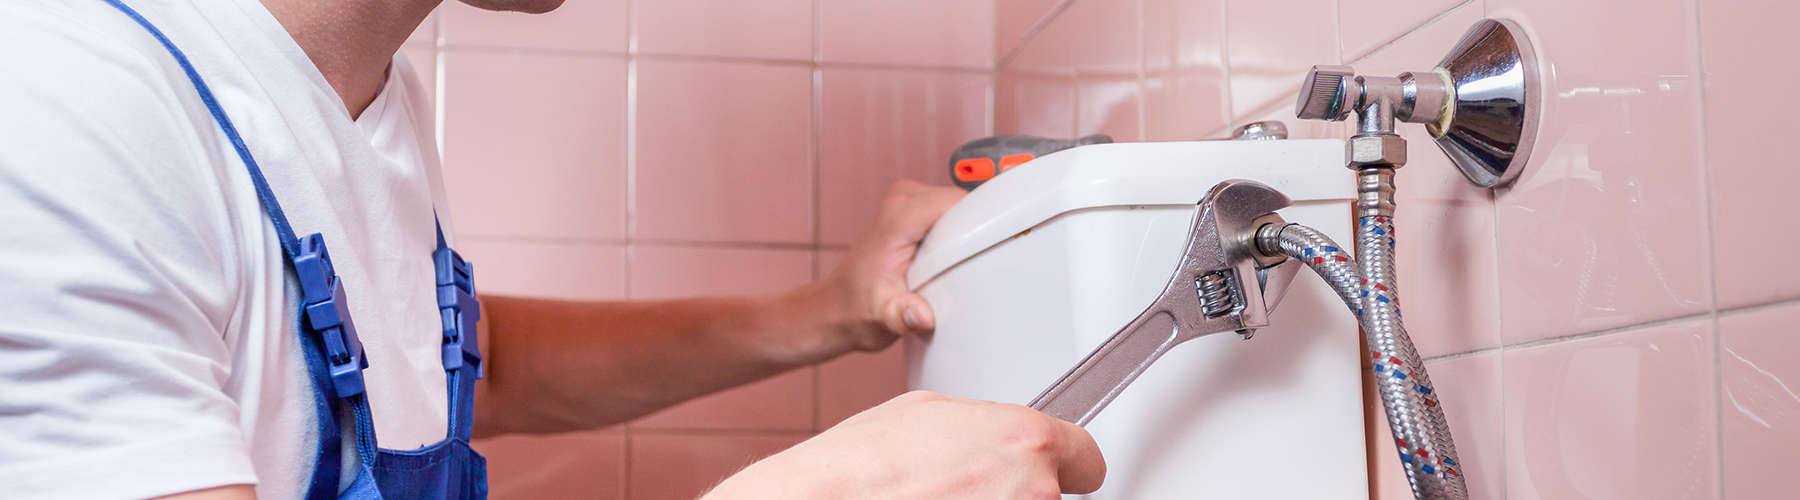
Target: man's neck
[(351, 41)]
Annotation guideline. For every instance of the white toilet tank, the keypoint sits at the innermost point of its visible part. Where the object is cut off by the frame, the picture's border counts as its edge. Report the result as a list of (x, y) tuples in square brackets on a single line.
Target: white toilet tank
[(1041, 264)]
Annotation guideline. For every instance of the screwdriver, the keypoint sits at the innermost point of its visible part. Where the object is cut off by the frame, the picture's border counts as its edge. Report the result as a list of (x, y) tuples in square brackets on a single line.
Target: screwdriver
[(982, 159)]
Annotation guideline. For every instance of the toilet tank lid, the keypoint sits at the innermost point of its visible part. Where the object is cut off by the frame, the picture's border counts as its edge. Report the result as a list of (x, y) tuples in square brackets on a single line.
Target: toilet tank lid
[(1124, 174)]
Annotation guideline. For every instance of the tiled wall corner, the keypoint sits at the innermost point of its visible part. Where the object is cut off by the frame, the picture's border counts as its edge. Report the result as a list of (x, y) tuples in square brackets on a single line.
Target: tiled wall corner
[(1270, 45)]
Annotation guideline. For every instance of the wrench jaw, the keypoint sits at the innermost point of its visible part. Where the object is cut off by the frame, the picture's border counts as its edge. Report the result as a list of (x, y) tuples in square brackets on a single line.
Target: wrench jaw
[(1230, 215), (1206, 294)]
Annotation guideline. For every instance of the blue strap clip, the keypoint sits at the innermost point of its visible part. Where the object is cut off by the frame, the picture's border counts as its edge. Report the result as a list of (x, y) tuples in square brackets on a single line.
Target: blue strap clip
[(458, 309), (327, 314)]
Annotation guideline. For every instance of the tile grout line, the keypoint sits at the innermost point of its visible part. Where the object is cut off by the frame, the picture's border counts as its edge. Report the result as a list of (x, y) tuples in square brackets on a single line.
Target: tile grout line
[(438, 101), (631, 124), (1030, 32), (633, 52), (1390, 43), (1712, 260), (1722, 313), (722, 432), (1225, 63), (818, 114), (1493, 198), (720, 244), (1753, 308), (1143, 89)]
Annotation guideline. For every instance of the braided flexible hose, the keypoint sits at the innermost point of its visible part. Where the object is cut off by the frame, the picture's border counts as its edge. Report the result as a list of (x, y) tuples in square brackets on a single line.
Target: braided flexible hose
[(1413, 413)]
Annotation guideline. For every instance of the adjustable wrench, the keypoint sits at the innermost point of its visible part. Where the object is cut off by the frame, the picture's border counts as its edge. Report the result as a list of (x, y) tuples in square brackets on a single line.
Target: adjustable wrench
[(1222, 284)]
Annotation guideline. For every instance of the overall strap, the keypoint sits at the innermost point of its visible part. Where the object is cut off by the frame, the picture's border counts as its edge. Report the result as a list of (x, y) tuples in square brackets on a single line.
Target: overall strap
[(459, 310), (334, 357)]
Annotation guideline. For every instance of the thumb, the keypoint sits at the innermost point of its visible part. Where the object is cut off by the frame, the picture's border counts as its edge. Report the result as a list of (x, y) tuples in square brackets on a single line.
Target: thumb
[(908, 314)]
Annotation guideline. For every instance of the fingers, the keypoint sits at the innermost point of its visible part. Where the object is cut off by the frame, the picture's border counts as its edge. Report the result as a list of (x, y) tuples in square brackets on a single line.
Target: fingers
[(1080, 468), (913, 207), (908, 313)]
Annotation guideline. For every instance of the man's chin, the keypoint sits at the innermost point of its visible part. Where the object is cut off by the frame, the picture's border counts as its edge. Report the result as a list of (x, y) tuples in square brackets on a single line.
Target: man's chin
[(530, 6)]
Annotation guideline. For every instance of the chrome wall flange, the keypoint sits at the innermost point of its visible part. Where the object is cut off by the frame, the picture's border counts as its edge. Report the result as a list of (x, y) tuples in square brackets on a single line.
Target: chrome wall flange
[(1493, 119)]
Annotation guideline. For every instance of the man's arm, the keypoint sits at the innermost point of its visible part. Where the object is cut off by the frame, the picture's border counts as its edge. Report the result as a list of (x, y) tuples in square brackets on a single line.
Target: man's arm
[(557, 365)]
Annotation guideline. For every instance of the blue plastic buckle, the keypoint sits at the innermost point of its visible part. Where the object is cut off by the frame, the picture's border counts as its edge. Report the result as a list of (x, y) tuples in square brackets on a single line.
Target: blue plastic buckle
[(458, 309), (327, 314)]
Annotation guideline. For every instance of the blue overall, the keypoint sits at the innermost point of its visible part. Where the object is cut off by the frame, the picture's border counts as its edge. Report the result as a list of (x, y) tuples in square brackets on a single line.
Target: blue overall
[(334, 354)]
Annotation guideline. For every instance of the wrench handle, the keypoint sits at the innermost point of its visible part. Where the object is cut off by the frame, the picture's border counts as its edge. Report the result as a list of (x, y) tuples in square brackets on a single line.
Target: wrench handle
[(1088, 387)]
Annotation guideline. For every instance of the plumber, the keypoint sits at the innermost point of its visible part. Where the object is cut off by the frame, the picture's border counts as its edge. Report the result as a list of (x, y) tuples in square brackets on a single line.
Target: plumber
[(226, 273)]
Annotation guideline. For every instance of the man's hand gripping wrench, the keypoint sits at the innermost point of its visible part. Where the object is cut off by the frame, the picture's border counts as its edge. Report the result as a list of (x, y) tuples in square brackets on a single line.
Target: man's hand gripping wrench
[(1206, 295)]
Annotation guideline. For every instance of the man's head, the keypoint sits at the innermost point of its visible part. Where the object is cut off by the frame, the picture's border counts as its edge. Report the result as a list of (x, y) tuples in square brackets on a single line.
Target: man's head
[(532, 6)]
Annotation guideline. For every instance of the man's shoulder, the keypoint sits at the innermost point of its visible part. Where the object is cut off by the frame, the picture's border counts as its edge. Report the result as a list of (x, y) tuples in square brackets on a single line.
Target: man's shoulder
[(82, 48)]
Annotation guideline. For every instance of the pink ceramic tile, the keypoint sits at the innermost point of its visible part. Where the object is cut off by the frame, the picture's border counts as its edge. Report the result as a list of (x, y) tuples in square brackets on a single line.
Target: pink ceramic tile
[(1102, 37), (1050, 51), (769, 29), (858, 381), (783, 402), (1184, 69), (1013, 20), (576, 465), (677, 466), (1100, 41), (1607, 226), (547, 159), (1109, 105), (1625, 415), (1185, 105), (780, 403), (426, 33), (423, 59), (661, 272), (1449, 279), (1749, 147), (879, 126), (1470, 391), (919, 32), (1368, 24), (561, 270), (1034, 105), (722, 152), (597, 25), (1761, 409), (1273, 43), (826, 262)]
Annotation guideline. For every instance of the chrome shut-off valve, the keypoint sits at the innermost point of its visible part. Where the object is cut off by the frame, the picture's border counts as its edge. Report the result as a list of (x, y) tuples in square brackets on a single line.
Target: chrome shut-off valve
[(1481, 104)]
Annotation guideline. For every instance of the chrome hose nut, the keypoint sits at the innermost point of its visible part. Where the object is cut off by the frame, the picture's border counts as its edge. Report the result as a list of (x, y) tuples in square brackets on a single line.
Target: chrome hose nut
[(1375, 149)]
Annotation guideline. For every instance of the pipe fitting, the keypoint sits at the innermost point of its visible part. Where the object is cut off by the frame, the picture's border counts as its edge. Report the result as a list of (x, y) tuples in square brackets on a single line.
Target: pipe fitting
[(1375, 192), (1386, 150)]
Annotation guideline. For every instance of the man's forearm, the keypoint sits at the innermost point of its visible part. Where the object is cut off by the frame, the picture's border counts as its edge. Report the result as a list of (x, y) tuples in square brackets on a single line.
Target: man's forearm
[(557, 366)]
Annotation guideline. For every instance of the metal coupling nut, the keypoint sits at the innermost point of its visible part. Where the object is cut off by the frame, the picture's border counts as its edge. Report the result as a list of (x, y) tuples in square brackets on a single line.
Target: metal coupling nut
[(1376, 149)]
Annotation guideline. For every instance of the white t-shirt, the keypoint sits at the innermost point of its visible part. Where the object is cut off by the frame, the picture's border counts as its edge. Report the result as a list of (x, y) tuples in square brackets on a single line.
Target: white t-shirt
[(148, 338)]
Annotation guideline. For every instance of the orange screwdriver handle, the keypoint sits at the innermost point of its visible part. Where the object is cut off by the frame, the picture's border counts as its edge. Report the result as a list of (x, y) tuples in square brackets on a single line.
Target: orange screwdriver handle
[(982, 159)]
